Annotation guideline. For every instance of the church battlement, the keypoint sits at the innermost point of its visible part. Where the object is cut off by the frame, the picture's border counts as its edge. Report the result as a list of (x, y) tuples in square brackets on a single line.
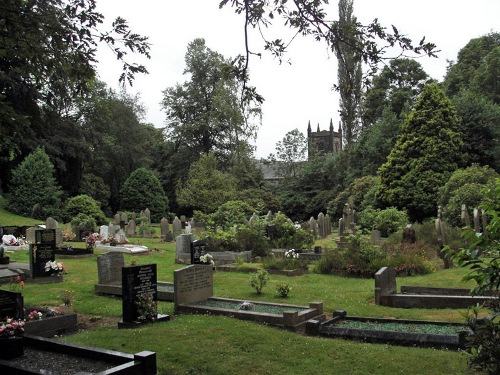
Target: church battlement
[(323, 141)]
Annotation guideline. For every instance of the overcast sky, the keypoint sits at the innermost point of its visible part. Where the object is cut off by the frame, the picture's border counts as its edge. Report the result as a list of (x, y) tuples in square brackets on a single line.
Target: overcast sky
[(295, 94)]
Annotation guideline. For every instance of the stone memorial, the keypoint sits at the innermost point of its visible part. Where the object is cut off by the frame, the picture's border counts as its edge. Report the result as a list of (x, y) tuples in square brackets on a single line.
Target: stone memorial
[(42, 251), (183, 248), (131, 228), (109, 268), (103, 232), (139, 285), (116, 219), (50, 223), (11, 305), (176, 227), (321, 225), (111, 230), (164, 229), (193, 284), (123, 220), (147, 215), (198, 249)]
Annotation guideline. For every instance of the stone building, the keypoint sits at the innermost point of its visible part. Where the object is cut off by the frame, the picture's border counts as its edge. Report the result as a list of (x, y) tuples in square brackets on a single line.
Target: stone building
[(323, 141)]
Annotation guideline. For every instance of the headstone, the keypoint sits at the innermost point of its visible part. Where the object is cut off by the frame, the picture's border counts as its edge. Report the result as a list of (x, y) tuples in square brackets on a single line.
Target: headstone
[(251, 220), (30, 234), (477, 225), (193, 284), (103, 232), (134, 216), (123, 220), (465, 216), (176, 227), (11, 305), (116, 219), (198, 249), (164, 229), (321, 225), (131, 228), (188, 228), (109, 268), (271, 231), (183, 246), (313, 224), (341, 227), (385, 283), (120, 237), (269, 215), (147, 215), (42, 251), (111, 230), (484, 223), (328, 225), (409, 235), (137, 282), (50, 223)]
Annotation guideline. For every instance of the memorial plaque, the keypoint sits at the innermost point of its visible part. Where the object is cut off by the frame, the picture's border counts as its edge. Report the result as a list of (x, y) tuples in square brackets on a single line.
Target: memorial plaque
[(137, 281), (11, 305), (42, 251), (198, 249), (193, 284)]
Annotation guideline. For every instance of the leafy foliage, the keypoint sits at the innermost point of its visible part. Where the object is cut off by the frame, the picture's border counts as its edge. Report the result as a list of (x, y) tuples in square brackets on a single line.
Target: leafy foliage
[(259, 280), (143, 190), (427, 151), (33, 183), (83, 204)]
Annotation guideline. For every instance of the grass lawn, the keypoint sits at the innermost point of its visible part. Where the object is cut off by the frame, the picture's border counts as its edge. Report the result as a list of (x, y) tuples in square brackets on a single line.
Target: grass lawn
[(197, 344)]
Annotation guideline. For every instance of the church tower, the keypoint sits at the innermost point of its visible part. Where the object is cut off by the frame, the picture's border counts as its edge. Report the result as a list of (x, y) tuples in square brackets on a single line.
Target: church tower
[(323, 141)]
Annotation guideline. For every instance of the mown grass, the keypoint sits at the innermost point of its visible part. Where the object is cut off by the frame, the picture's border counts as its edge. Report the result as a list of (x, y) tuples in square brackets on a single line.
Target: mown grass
[(196, 344)]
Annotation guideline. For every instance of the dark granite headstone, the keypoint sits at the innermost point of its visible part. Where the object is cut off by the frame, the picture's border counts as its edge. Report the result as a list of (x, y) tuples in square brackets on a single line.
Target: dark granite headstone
[(11, 305), (137, 281), (271, 231), (198, 248), (42, 251)]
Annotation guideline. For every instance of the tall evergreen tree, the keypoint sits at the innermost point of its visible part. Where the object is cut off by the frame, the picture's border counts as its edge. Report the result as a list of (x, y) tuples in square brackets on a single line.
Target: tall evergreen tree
[(33, 183), (349, 74), (427, 151)]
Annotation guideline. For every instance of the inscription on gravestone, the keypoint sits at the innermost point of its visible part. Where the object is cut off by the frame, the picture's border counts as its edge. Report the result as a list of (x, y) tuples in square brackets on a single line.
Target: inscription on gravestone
[(192, 284), (198, 249), (11, 305), (42, 251), (109, 268), (137, 281)]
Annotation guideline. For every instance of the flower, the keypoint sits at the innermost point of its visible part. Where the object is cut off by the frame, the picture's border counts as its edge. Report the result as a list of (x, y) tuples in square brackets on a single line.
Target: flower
[(207, 259), (11, 327), (16, 284), (91, 239), (291, 254), (34, 315), (54, 267)]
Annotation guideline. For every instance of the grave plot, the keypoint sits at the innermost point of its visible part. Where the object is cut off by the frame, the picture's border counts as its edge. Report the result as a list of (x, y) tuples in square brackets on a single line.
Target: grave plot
[(427, 298), (109, 273), (392, 331), (193, 293), (43, 355)]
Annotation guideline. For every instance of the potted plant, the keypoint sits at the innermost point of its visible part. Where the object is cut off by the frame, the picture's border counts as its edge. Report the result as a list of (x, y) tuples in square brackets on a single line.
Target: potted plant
[(11, 338)]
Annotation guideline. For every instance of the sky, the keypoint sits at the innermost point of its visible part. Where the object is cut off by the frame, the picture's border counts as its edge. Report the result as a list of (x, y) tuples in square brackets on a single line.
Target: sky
[(299, 90)]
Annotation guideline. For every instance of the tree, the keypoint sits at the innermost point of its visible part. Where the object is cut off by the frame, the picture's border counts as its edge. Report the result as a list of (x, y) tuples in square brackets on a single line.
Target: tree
[(142, 190), (290, 152), (480, 127), (206, 188), (396, 88), (205, 113), (48, 62), (349, 74), (427, 151), (33, 183)]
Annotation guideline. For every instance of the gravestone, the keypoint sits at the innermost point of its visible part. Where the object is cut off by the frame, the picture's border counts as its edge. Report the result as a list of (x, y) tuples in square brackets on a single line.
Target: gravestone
[(313, 224), (269, 215), (131, 228), (137, 282), (198, 249), (192, 284), (251, 220), (147, 215), (42, 251), (176, 227), (465, 216), (103, 232), (123, 220), (328, 225), (385, 283), (111, 230), (109, 268), (271, 231), (11, 305), (484, 223), (120, 237), (183, 247), (188, 228), (375, 237), (116, 219), (50, 223), (321, 225), (409, 235), (477, 225), (164, 229)]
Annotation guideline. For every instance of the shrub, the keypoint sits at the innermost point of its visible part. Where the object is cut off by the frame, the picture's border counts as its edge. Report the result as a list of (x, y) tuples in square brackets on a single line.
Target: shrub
[(251, 239), (231, 213), (84, 222), (283, 290), (390, 220), (259, 280), (83, 204)]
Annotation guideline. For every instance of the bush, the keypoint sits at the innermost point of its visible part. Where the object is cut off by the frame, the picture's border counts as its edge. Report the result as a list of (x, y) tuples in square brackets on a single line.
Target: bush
[(84, 222), (283, 290), (83, 204), (259, 280), (390, 220), (251, 239)]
